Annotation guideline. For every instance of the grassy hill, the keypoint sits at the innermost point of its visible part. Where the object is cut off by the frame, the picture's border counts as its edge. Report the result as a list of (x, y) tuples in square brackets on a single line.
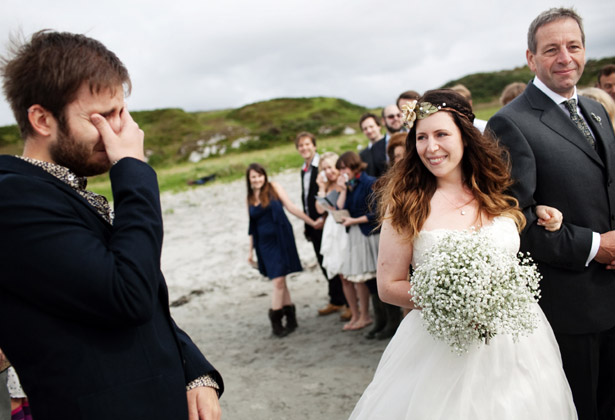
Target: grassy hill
[(487, 87), (185, 145)]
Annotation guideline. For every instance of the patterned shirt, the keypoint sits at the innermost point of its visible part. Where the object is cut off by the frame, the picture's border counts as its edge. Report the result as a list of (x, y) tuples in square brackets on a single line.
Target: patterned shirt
[(77, 183)]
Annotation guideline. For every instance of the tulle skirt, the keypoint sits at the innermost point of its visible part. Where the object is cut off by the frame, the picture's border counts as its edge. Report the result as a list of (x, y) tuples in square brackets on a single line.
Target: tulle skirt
[(420, 378), (361, 258)]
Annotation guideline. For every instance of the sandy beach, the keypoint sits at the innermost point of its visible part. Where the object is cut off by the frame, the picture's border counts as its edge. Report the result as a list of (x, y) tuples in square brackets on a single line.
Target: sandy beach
[(318, 372)]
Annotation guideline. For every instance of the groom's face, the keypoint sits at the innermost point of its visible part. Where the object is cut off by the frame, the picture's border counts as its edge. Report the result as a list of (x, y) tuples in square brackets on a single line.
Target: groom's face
[(559, 59)]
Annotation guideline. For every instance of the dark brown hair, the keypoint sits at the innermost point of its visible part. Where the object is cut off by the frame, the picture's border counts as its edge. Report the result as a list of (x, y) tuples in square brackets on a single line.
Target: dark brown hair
[(405, 191), (50, 69), (367, 116), (409, 94), (352, 161), (606, 71), (397, 139), (267, 192)]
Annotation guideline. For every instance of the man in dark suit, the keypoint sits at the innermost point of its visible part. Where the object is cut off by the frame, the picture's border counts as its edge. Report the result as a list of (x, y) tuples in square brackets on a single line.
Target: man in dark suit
[(375, 152), (306, 146), (564, 157), (84, 314)]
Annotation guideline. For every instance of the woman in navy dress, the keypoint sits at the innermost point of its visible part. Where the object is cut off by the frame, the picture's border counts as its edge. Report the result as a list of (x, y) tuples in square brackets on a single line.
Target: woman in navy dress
[(271, 236)]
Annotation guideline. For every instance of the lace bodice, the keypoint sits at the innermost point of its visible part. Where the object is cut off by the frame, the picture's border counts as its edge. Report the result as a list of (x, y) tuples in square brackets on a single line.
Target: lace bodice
[(501, 232)]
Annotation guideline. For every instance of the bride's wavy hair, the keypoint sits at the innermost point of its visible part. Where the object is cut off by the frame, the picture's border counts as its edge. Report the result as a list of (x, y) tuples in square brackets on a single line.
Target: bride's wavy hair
[(405, 191), (267, 192)]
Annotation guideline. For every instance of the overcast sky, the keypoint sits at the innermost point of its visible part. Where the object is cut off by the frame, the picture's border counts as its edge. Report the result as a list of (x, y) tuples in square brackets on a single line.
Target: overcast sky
[(215, 54)]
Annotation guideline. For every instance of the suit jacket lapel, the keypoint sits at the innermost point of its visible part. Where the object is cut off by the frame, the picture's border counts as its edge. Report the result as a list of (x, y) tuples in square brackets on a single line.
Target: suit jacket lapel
[(557, 120)]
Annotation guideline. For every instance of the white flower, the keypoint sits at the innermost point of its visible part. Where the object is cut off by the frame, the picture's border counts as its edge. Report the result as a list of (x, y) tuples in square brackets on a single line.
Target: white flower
[(470, 290)]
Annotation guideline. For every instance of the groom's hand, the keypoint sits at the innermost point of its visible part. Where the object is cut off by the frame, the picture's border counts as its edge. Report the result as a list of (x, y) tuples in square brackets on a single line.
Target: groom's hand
[(606, 252), (203, 404)]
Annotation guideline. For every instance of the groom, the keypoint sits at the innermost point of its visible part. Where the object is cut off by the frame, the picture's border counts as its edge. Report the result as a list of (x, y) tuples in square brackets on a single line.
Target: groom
[(564, 156), (84, 307)]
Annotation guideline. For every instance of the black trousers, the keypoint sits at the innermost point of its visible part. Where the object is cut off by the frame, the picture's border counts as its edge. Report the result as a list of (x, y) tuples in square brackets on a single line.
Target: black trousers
[(589, 363)]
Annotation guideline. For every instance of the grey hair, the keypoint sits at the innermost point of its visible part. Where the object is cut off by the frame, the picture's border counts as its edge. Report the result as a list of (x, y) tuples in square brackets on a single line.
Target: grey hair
[(549, 16)]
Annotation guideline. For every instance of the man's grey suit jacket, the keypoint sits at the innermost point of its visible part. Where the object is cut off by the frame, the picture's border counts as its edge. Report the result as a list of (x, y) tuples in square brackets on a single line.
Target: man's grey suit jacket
[(553, 164)]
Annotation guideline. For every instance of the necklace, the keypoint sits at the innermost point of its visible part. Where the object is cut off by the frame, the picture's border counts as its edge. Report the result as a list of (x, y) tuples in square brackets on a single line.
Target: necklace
[(460, 207)]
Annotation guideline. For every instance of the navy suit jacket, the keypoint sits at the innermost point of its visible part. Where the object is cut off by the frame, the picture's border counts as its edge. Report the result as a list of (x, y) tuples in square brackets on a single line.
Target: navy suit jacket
[(84, 314), (376, 158), (553, 164), (311, 234)]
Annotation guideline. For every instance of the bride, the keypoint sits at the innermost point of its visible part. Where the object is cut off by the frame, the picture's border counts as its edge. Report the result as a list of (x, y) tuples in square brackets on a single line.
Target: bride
[(453, 179)]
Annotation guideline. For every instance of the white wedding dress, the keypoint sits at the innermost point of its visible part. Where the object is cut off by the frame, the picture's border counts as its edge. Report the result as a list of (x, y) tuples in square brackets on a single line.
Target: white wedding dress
[(420, 378)]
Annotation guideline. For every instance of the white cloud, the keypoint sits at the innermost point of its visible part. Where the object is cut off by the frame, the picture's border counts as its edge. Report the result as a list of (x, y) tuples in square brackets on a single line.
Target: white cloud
[(201, 55)]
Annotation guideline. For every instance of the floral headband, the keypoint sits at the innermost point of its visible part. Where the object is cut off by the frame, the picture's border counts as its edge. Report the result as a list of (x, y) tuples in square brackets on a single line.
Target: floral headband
[(414, 110)]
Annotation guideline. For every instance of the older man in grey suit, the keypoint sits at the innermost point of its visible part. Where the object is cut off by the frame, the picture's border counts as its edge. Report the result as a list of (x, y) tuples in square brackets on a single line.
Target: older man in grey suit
[(564, 156)]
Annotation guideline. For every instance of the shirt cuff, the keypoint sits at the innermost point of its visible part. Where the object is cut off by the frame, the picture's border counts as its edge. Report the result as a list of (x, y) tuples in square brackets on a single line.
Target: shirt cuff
[(595, 247), (206, 380)]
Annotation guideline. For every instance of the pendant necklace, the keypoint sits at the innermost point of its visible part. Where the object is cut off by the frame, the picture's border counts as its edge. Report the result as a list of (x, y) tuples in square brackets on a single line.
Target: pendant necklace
[(460, 208)]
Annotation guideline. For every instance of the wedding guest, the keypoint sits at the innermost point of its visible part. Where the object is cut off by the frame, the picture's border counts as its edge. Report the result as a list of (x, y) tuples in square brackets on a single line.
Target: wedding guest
[(391, 118), (374, 157), (561, 150), (84, 307), (396, 147), (271, 236), (511, 91), (405, 97), (386, 317), (334, 236), (362, 252), (603, 98), (606, 79), (465, 92), (305, 143), (454, 179)]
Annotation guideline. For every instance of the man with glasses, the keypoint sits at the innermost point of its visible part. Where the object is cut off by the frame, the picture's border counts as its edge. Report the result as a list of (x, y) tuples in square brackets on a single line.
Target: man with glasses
[(392, 119)]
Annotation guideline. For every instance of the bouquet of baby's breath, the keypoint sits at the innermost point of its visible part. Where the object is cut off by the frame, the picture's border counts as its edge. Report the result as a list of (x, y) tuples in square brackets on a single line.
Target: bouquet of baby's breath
[(469, 291)]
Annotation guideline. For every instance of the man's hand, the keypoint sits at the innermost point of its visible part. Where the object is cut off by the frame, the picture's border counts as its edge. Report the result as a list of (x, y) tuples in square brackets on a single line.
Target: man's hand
[(127, 142), (606, 252), (203, 404)]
